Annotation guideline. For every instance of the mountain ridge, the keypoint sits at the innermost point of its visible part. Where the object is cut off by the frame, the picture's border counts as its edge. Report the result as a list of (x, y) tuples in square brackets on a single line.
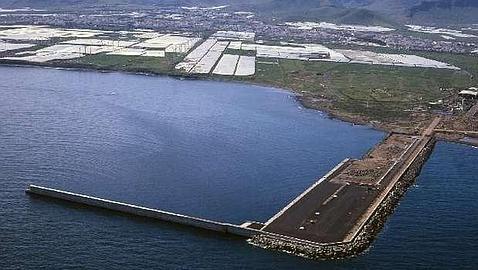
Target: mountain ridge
[(347, 11)]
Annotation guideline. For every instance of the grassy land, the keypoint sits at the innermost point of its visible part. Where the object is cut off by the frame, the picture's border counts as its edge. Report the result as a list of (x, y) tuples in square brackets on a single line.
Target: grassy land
[(469, 63), (376, 92)]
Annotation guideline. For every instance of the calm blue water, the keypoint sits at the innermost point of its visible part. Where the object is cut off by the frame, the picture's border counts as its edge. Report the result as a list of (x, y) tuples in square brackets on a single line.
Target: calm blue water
[(223, 151)]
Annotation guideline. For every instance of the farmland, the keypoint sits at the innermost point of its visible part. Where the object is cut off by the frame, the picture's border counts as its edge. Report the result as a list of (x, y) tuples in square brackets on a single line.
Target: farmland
[(367, 86)]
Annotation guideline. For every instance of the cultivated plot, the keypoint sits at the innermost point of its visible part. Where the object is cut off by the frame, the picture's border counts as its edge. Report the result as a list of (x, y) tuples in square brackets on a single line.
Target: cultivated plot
[(227, 65), (234, 35), (435, 30), (205, 65), (406, 60), (293, 51), (170, 43), (101, 42), (246, 66), (343, 27), (61, 52), (43, 33), (6, 46)]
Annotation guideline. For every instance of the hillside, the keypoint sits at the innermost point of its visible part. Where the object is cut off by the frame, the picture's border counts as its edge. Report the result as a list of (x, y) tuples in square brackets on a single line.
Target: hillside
[(446, 11), (377, 11), (342, 11), (53, 4), (428, 11)]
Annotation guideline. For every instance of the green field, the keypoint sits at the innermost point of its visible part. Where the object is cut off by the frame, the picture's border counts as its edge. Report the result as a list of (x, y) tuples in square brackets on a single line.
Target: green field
[(377, 92), (468, 63)]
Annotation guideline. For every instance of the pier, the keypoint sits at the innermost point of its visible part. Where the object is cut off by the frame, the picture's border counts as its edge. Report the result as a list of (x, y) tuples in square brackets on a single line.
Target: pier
[(337, 208), (337, 216), (346, 208)]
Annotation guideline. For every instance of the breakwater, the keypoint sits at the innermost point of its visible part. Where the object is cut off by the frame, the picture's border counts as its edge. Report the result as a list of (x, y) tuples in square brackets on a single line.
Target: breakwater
[(358, 238), (142, 211), (285, 230), (366, 233), (337, 217), (243, 230), (343, 214)]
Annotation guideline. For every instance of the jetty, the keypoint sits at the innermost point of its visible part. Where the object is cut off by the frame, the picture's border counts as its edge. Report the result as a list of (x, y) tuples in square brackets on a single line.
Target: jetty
[(343, 211), (337, 216)]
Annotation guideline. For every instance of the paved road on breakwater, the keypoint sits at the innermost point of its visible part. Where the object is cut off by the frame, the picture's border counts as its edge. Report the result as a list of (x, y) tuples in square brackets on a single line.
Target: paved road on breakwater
[(335, 211)]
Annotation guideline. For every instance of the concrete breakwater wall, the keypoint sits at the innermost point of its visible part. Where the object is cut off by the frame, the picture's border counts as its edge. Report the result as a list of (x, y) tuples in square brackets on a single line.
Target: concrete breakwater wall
[(367, 233), (143, 211)]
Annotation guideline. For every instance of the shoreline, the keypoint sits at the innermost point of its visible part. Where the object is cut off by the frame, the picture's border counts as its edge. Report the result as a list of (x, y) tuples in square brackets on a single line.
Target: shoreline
[(307, 102)]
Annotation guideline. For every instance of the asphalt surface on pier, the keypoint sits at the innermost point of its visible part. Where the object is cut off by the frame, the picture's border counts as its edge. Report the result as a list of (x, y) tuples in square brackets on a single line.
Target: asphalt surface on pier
[(331, 210), (335, 218)]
